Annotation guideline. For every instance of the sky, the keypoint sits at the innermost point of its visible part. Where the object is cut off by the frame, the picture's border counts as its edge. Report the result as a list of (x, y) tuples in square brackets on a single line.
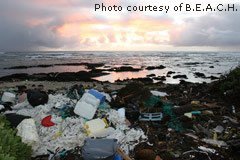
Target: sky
[(59, 25)]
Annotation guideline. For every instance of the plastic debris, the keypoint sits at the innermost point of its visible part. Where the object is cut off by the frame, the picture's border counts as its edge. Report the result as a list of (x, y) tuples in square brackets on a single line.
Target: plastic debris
[(46, 122), (22, 97), (131, 126), (219, 129), (37, 97), (8, 97), (15, 119), (150, 117), (173, 123), (87, 106), (76, 92), (195, 102), (152, 101), (122, 113), (28, 132), (94, 126), (98, 95), (99, 149), (209, 150), (85, 110), (158, 93), (1, 107), (215, 142), (189, 114), (233, 110), (118, 157)]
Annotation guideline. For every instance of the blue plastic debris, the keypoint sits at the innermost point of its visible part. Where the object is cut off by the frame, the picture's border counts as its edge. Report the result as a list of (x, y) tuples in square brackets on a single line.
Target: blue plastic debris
[(98, 95), (118, 157)]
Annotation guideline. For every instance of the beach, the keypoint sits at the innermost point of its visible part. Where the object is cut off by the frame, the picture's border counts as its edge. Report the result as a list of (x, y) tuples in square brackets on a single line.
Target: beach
[(192, 117)]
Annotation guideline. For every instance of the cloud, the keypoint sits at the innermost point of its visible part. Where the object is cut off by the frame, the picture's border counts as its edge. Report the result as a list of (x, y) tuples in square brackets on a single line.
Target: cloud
[(26, 26), (73, 24), (216, 30)]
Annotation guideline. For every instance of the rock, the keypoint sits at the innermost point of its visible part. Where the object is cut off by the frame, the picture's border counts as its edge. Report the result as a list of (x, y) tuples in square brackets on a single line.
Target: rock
[(170, 72), (125, 69), (198, 74), (155, 67), (19, 76), (151, 75), (211, 67), (160, 78), (36, 97), (192, 63), (143, 80), (213, 78), (180, 76)]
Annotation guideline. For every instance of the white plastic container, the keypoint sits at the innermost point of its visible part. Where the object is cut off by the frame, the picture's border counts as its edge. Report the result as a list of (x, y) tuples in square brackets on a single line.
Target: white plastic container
[(8, 97), (28, 132), (1, 107), (85, 110), (95, 126), (103, 133), (90, 99), (121, 113), (160, 94)]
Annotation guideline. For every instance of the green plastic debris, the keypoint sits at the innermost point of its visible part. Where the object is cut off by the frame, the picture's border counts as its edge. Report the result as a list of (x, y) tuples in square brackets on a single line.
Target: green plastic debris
[(174, 123), (104, 106), (152, 101)]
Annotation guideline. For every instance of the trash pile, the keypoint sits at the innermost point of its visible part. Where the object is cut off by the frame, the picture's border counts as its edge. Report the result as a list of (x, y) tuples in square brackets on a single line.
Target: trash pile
[(131, 123)]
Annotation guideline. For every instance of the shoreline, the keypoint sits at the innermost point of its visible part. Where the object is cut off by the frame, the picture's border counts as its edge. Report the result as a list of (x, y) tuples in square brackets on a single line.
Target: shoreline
[(186, 98)]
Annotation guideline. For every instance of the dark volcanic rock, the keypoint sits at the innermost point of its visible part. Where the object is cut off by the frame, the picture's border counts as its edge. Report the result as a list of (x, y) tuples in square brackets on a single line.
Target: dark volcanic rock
[(125, 69), (19, 76), (213, 78), (198, 74), (170, 72), (64, 76), (25, 67), (160, 78), (180, 76), (79, 76), (94, 65), (89, 65), (192, 63), (144, 80), (151, 75), (211, 67), (155, 67)]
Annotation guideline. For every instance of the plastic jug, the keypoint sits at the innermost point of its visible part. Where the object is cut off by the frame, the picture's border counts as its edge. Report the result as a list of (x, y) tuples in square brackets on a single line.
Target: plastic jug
[(85, 110), (94, 126), (98, 95)]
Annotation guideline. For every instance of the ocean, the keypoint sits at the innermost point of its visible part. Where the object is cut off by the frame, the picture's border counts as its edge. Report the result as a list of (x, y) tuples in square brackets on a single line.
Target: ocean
[(182, 63)]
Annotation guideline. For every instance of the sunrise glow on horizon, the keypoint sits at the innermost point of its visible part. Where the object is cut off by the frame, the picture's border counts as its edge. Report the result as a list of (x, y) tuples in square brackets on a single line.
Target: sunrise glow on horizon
[(75, 25)]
